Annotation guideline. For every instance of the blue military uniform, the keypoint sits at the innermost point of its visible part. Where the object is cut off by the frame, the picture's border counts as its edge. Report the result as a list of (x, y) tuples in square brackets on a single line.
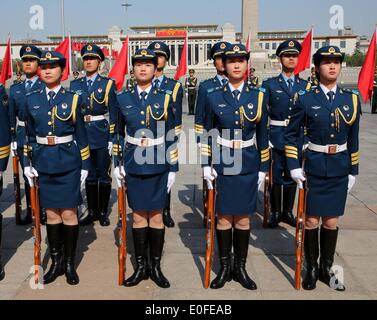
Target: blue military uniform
[(99, 94), (216, 82), (17, 114), (280, 92), (4, 153), (332, 120), (174, 88)]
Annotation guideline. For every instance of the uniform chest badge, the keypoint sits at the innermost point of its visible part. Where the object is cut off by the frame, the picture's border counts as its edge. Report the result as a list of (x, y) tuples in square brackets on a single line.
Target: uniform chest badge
[(64, 106), (157, 105), (100, 90), (346, 108), (128, 107), (222, 105), (18, 92), (250, 106), (316, 107), (36, 107), (279, 91)]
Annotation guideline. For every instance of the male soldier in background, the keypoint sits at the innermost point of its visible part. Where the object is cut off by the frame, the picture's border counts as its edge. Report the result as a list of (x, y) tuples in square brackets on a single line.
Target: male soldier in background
[(191, 84)]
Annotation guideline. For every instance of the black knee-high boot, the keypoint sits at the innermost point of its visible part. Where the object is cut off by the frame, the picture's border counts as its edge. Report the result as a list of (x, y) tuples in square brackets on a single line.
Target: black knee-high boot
[(140, 237), (328, 240), (289, 195), (156, 245), (104, 198), (166, 215), (224, 241), (275, 199), (92, 199), (70, 237), (28, 218), (2, 272), (55, 237), (311, 248), (241, 245)]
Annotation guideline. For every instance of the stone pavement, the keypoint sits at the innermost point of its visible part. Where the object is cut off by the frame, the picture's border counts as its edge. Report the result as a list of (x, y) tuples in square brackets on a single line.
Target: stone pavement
[(271, 253)]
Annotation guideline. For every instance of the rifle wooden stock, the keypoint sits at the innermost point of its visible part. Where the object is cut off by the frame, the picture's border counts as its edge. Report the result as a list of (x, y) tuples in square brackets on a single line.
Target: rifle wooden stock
[(34, 199), (122, 235), (300, 233), (210, 235), (17, 189)]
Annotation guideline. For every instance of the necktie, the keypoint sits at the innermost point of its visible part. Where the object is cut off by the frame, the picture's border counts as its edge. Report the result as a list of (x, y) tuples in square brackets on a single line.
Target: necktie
[(156, 83), (51, 94), (331, 95), (224, 82), (236, 93), (143, 98), (90, 82), (28, 86), (290, 85)]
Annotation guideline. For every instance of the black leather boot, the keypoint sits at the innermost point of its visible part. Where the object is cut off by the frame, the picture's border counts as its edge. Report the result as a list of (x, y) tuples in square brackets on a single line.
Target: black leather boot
[(70, 237), (55, 236), (156, 245), (241, 245), (166, 216), (289, 194), (104, 198), (28, 218), (224, 241), (2, 272), (311, 248), (140, 237), (275, 198), (92, 199), (328, 240)]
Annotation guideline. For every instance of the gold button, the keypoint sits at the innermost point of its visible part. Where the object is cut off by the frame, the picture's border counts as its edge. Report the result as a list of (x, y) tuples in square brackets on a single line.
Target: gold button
[(49, 113), (333, 125), (332, 136), (50, 133), (143, 133), (333, 115), (237, 122), (237, 112), (290, 108), (289, 117), (142, 112), (142, 122), (49, 123)]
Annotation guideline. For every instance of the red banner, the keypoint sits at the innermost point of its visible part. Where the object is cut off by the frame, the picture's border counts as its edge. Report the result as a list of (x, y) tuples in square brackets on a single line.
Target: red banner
[(171, 33)]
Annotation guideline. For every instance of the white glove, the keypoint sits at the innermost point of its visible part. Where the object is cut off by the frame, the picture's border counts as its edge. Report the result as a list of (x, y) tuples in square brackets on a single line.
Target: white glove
[(298, 176), (270, 144), (30, 173), (171, 180), (110, 148), (13, 148), (119, 174), (84, 176), (261, 178), (209, 174), (351, 182)]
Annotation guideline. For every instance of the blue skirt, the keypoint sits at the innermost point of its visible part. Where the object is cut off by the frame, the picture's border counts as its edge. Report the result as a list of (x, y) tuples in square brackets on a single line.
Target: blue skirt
[(147, 193), (60, 191), (237, 195), (326, 197)]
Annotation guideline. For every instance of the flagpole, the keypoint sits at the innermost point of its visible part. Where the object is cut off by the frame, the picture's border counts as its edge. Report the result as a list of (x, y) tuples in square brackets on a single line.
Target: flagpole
[(70, 53), (10, 52), (62, 17), (311, 48)]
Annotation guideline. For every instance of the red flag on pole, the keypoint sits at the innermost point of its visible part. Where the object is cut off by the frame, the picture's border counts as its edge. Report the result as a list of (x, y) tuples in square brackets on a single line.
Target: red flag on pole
[(305, 57), (366, 76), (106, 52), (120, 68), (248, 46), (182, 68), (6, 70), (65, 50)]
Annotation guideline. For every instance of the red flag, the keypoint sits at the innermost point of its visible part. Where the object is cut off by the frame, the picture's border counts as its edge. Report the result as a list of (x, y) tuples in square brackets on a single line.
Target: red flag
[(65, 50), (182, 68), (305, 57), (106, 52), (248, 45), (366, 76), (120, 68), (114, 54), (6, 70)]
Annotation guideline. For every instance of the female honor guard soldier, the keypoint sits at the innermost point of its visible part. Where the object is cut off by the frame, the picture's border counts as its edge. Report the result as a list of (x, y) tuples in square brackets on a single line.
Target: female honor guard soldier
[(280, 91), (4, 153), (150, 162), (59, 156), (175, 89), (30, 56), (100, 96), (331, 116), (241, 111)]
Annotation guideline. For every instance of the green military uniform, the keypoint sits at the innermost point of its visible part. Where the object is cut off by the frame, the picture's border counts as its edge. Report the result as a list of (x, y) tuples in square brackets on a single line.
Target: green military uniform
[(191, 84)]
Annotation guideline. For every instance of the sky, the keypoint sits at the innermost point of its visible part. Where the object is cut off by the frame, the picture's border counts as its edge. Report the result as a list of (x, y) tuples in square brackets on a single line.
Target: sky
[(93, 17)]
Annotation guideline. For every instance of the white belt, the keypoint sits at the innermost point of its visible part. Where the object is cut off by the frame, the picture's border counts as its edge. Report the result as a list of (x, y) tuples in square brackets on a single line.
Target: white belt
[(329, 149), (145, 142), (235, 144), (20, 123), (277, 123), (54, 140), (94, 118)]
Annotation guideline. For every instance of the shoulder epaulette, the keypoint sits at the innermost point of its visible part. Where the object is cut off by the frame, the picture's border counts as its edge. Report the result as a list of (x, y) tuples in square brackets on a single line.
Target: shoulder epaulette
[(210, 90)]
